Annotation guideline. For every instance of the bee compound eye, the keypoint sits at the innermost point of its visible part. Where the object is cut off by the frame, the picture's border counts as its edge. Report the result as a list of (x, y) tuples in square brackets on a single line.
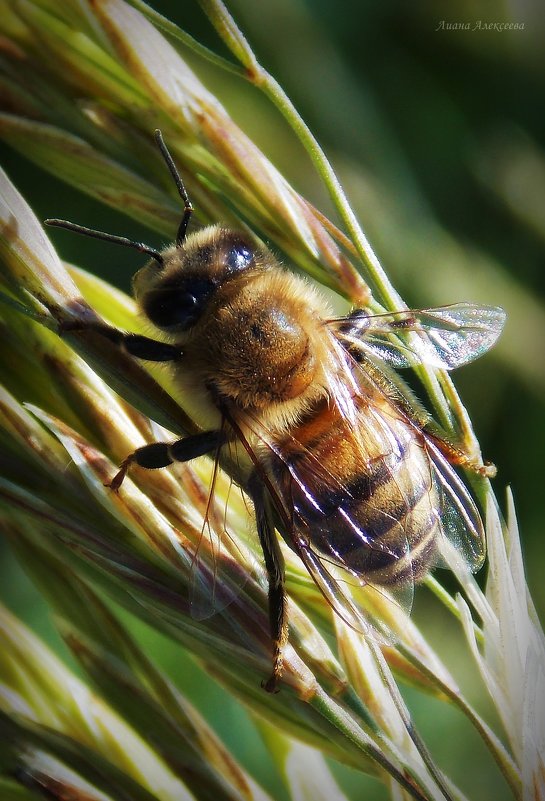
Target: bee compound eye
[(178, 307)]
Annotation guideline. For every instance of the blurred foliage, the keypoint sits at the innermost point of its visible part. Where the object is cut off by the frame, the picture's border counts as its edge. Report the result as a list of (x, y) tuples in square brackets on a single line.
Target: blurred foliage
[(438, 136)]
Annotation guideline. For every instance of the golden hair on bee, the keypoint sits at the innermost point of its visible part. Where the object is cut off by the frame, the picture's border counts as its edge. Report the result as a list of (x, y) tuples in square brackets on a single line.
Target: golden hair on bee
[(335, 450), (251, 332)]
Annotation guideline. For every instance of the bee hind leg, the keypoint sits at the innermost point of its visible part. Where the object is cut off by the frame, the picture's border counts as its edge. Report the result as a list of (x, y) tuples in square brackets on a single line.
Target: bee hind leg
[(461, 458), (163, 454), (274, 564)]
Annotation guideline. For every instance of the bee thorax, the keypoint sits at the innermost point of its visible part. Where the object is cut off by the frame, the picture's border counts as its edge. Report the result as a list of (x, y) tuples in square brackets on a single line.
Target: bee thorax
[(264, 356)]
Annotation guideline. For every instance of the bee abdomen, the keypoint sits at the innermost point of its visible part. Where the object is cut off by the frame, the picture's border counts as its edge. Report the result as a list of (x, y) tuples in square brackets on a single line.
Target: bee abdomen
[(381, 524)]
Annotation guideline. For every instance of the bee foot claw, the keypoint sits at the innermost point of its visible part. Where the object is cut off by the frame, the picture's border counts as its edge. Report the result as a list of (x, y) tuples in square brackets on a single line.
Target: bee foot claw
[(270, 686), (488, 470)]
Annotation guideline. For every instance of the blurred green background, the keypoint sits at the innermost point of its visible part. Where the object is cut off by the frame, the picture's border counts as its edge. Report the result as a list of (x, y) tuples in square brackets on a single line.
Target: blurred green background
[(437, 132)]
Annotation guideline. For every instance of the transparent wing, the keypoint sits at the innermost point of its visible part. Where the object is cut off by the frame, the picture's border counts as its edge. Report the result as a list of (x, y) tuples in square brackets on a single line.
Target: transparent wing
[(371, 609), (222, 561), (447, 337), (461, 522)]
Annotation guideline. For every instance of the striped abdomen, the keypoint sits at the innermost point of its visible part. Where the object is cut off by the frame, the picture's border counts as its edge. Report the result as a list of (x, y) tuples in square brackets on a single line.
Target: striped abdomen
[(363, 495)]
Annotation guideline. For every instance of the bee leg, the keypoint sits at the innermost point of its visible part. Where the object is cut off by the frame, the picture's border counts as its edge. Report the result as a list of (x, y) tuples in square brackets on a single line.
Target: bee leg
[(460, 458), (134, 344), (162, 454), (274, 564)]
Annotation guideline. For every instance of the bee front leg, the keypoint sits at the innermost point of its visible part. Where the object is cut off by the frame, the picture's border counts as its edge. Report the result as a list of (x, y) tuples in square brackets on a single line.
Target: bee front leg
[(163, 454), (134, 344), (274, 564)]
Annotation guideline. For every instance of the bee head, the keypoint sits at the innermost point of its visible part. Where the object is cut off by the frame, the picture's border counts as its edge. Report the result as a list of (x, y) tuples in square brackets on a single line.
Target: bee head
[(179, 283), (175, 294)]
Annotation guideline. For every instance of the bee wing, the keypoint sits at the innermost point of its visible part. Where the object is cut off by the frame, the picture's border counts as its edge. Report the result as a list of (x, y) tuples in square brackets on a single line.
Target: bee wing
[(222, 562), (461, 522), (447, 336), (338, 596), (363, 606)]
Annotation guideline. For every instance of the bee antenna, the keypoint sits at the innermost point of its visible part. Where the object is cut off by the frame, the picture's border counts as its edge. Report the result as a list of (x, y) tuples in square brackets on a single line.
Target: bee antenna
[(188, 208), (117, 240)]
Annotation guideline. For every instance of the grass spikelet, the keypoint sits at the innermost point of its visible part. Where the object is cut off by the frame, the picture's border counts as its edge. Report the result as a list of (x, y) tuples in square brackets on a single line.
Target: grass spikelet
[(84, 85)]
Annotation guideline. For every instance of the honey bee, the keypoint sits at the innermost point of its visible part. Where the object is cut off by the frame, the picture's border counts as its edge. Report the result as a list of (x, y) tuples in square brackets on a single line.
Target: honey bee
[(338, 453)]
